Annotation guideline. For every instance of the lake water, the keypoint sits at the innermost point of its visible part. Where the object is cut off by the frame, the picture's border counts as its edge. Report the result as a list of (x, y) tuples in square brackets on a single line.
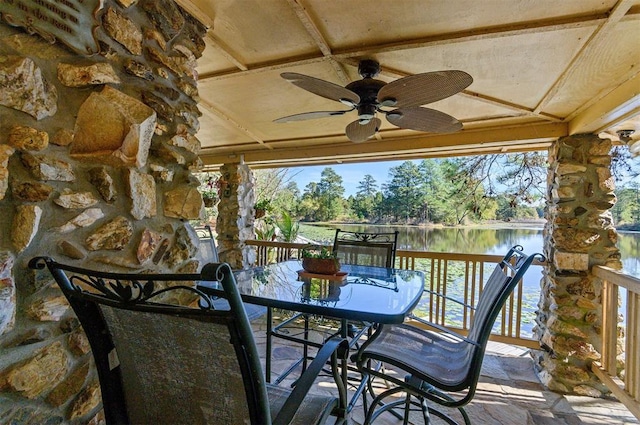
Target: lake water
[(488, 240), (495, 241)]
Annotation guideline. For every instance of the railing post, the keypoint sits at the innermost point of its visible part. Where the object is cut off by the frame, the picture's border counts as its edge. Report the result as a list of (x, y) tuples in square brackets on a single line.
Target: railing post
[(609, 327)]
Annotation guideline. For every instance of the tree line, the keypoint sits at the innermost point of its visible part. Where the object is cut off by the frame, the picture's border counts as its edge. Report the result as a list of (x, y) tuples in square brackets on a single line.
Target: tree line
[(448, 191), (429, 191)]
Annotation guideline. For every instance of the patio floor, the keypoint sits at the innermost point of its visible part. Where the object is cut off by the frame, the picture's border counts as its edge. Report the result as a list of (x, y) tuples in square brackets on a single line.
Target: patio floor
[(509, 392)]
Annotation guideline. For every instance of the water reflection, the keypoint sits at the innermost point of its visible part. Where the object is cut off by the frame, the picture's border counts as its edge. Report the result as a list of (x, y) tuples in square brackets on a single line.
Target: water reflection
[(495, 241)]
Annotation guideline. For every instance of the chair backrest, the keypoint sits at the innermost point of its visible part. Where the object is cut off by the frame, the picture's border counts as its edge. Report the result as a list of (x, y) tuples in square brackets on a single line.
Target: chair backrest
[(366, 249), (207, 243), (497, 290), (166, 363)]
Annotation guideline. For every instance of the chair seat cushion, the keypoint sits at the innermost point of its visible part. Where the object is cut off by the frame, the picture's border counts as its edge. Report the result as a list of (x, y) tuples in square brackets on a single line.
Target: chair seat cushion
[(435, 357), (315, 408)]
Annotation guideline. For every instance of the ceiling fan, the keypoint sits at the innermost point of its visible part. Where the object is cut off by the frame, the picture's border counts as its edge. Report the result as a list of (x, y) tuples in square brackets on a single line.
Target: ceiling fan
[(400, 101)]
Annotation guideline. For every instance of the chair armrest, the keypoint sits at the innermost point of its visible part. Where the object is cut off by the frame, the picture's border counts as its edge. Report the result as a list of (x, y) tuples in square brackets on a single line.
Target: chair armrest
[(443, 329), (304, 383)]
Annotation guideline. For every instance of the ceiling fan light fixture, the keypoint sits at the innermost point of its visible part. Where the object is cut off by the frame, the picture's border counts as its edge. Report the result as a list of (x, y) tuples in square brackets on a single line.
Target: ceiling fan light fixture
[(389, 101), (347, 102), (365, 121), (366, 112), (394, 114)]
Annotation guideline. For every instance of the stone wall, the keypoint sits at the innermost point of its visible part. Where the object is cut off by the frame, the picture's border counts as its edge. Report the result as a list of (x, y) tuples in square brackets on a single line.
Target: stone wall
[(236, 216), (579, 235), (96, 161)]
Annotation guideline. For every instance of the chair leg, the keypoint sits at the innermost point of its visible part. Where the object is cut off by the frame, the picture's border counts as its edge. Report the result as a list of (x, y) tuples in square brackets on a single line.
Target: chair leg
[(269, 346), (407, 409), (375, 411), (305, 349)]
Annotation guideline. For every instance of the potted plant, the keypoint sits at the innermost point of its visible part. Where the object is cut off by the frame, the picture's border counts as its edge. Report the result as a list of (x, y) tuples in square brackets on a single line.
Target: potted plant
[(261, 207), (318, 259), (209, 192)]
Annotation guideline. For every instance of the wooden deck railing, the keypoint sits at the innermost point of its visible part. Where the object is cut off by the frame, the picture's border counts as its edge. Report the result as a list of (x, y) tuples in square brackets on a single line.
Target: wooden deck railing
[(462, 277), (627, 389), (459, 276)]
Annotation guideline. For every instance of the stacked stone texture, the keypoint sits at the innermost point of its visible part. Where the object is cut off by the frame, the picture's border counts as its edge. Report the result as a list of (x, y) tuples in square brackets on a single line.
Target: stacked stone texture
[(96, 162), (236, 216), (579, 235)]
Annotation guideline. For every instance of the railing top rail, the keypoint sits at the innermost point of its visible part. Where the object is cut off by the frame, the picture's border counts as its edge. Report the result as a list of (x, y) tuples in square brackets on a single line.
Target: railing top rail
[(276, 244), (450, 256), (621, 279), (487, 258)]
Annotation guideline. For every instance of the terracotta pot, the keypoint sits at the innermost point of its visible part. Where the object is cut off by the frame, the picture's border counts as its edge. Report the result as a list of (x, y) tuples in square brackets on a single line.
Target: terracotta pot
[(321, 265)]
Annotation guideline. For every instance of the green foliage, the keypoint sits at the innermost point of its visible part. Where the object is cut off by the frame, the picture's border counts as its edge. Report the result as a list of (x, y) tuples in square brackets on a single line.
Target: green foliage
[(323, 201), (404, 193), (320, 234), (288, 227), (626, 211), (263, 204), (449, 191), (208, 184), (265, 230), (317, 251)]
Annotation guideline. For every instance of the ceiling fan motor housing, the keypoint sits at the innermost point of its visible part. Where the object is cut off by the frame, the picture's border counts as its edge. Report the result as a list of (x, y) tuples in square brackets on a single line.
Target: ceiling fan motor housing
[(368, 68), (367, 89)]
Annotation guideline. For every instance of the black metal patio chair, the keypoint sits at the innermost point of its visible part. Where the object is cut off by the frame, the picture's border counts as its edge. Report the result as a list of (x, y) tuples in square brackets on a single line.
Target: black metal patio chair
[(366, 248), (353, 248), (207, 243), (438, 364), (210, 254), (159, 362)]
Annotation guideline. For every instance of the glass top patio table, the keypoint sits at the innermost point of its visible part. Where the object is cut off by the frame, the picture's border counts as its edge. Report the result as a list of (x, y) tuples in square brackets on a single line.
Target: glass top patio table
[(374, 294)]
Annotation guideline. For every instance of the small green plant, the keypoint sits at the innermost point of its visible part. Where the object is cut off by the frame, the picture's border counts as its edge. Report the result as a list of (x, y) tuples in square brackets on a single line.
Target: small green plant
[(265, 230), (263, 204), (208, 190), (317, 251), (319, 259), (288, 227)]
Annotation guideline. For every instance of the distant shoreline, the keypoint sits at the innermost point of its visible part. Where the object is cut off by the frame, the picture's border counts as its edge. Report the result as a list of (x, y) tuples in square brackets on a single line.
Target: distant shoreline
[(515, 224)]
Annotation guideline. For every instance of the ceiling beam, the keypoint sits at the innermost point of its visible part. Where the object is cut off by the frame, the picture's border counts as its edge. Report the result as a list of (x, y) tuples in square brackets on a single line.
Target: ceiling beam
[(226, 52), (435, 40), (196, 12), (209, 107), (593, 43), (435, 153), (516, 138), (313, 31), (486, 33), (617, 106), (310, 27)]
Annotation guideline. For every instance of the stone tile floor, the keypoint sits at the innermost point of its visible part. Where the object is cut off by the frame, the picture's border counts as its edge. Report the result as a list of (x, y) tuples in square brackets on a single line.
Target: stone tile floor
[(509, 392)]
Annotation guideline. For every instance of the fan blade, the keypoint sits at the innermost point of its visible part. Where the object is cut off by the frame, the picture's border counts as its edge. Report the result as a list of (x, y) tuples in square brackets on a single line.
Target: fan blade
[(357, 132), (421, 89), (311, 115), (424, 119), (322, 88)]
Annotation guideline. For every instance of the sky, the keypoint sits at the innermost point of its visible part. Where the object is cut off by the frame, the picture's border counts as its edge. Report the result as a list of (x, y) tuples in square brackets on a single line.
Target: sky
[(352, 174)]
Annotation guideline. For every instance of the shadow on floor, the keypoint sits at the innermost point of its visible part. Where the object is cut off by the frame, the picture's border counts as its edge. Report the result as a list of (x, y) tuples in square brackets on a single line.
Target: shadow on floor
[(509, 392)]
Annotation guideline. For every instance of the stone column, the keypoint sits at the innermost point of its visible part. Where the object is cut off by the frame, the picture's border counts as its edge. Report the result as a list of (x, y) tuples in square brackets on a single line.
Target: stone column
[(579, 234), (97, 154), (236, 216)]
